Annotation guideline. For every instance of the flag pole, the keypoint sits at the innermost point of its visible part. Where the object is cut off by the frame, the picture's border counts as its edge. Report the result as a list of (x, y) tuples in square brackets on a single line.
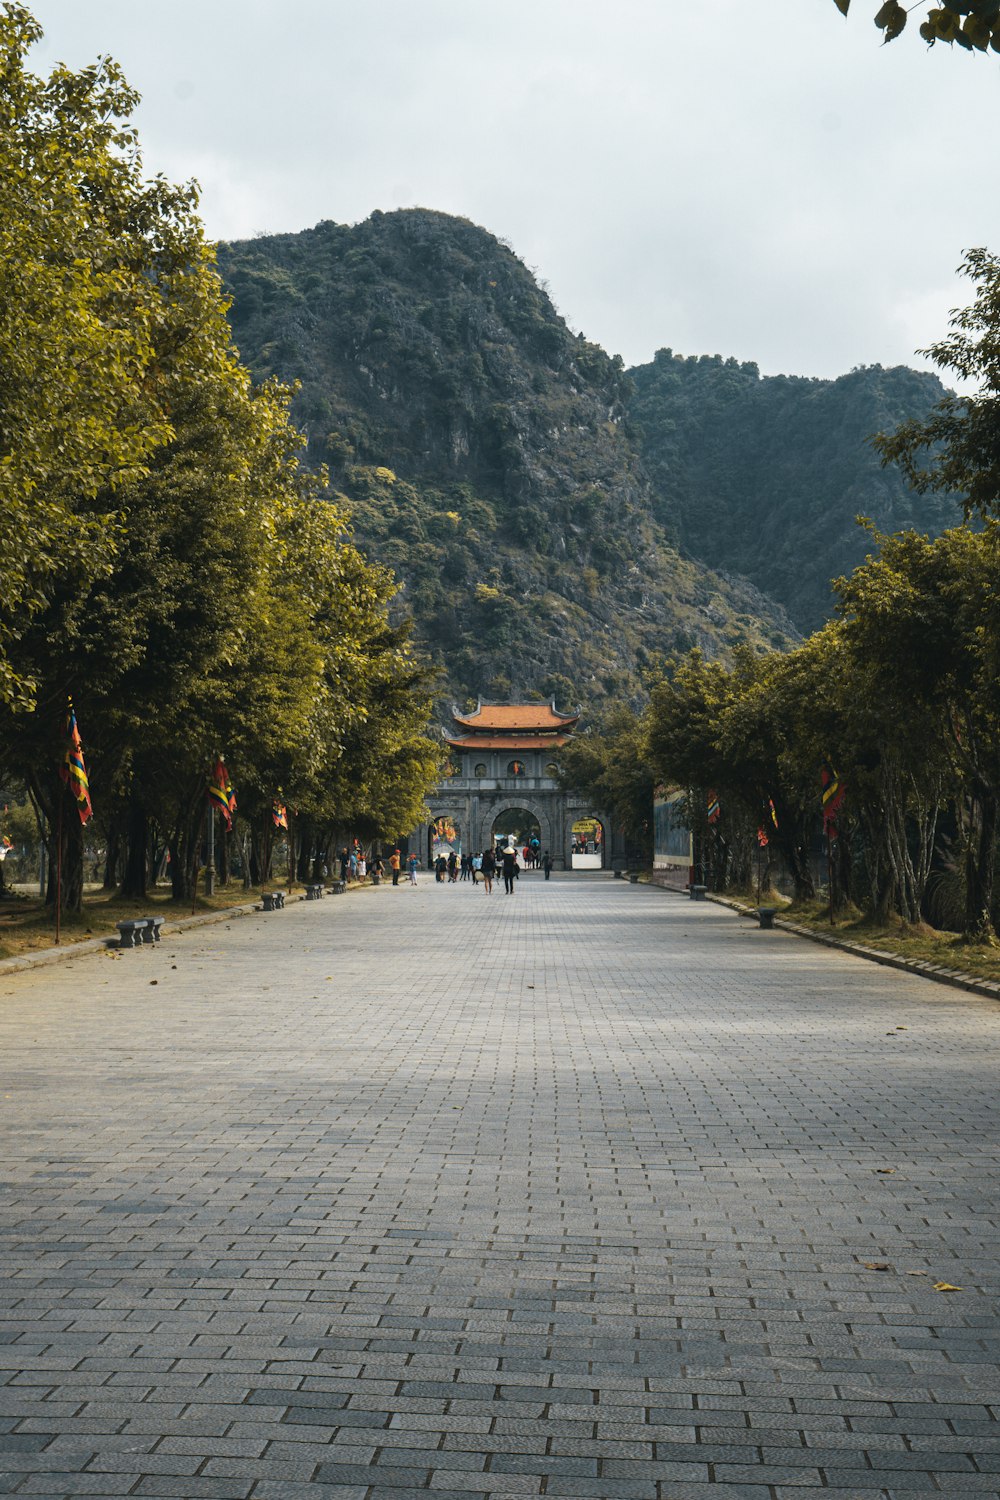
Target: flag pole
[(210, 864), (829, 869), (59, 844)]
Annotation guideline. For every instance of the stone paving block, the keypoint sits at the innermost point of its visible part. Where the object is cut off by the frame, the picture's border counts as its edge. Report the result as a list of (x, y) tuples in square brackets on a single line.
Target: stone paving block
[(587, 1218)]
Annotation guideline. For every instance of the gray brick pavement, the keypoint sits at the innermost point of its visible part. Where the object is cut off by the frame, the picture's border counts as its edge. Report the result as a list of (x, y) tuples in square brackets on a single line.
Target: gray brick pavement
[(568, 1193)]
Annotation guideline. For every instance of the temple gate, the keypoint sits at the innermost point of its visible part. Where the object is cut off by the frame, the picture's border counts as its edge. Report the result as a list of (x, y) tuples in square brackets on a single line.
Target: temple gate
[(504, 757)]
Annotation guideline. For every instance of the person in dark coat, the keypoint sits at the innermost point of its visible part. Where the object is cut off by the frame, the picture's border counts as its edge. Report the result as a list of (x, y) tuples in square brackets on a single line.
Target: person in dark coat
[(509, 869)]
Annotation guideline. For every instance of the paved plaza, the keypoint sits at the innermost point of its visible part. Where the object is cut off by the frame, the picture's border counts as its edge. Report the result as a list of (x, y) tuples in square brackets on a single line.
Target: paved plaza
[(566, 1194)]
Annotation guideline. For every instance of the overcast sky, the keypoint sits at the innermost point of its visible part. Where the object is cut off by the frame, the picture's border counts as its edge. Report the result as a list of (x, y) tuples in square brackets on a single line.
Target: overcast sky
[(750, 177)]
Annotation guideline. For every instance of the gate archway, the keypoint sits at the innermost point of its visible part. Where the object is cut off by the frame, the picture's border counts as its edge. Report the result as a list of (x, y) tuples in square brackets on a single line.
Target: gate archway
[(521, 828), (589, 845), (533, 815)]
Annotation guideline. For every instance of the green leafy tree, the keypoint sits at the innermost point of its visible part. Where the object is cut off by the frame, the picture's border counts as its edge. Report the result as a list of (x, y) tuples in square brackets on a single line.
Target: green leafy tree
[(610, 764), (958, 446), (924, 618), (84, 242), (215, 604), (973, 24)]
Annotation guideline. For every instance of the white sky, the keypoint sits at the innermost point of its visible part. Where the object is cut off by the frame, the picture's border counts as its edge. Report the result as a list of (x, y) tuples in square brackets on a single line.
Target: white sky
[(749, 177)]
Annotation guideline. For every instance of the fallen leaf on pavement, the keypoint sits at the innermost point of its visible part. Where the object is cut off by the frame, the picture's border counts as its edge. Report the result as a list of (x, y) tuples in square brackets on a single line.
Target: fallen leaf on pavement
[(876, 1265), (946, 1286)]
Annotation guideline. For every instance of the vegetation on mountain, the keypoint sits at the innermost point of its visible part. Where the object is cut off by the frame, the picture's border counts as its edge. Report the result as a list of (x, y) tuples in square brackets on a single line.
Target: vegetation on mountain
[(766, 475), (483, 452)]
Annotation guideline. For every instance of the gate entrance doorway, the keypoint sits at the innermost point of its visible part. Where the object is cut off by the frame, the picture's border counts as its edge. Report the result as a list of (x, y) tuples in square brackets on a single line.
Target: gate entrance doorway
[(519, 827), (587, 846)]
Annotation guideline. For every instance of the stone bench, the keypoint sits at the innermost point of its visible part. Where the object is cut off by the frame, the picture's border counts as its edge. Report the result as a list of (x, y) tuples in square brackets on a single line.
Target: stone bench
[(765, 916), (338, 887), (273, 900), (697, 892), (314, 892), (138, 930)]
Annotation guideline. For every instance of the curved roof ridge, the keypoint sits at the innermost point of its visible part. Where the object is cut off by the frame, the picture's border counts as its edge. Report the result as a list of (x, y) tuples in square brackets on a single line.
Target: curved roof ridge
[(514, 716)]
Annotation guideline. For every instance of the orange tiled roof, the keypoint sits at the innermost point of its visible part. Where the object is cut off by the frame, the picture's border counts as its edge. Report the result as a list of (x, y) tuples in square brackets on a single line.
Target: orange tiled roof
[(509, 742), (514, 717)]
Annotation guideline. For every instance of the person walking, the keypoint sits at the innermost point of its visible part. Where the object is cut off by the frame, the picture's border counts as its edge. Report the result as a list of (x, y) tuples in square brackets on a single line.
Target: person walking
[(411, 865), (394, 866), (509, 869), (489, 869), (452, 867), (547, 864), (476, 861)]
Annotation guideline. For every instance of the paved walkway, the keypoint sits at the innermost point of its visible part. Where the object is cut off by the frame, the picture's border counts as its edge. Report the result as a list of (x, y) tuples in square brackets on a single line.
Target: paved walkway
[(563, 1194)]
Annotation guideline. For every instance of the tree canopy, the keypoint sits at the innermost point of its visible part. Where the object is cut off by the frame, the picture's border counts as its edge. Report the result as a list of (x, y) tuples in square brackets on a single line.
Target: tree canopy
[(168, 563), (973, 24)]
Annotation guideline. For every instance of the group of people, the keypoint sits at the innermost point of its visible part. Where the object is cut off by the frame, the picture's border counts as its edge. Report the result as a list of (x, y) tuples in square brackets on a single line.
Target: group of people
[(354, 863), (396, 864), (451, 868)]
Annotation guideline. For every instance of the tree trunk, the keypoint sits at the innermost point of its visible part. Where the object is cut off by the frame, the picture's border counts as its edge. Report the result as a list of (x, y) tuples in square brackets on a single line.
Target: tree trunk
[(66, 873), (307, 839), (796, 855), (134, 870), (261, 847), (185, 845), (110, 881), (56, 810), (844, 866), (979, 865)]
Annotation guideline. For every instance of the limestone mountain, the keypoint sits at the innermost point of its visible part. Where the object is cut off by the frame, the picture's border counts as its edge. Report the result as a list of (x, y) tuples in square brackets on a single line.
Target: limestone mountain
[(486, 453), (766, 475)]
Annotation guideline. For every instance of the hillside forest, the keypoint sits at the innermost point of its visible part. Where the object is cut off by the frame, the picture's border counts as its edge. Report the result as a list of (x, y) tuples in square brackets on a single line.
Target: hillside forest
[(559, 522)]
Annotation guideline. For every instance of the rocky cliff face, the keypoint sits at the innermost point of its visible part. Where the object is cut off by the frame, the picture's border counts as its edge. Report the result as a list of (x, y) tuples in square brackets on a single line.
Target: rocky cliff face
[(486, 453), (766, 475)]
